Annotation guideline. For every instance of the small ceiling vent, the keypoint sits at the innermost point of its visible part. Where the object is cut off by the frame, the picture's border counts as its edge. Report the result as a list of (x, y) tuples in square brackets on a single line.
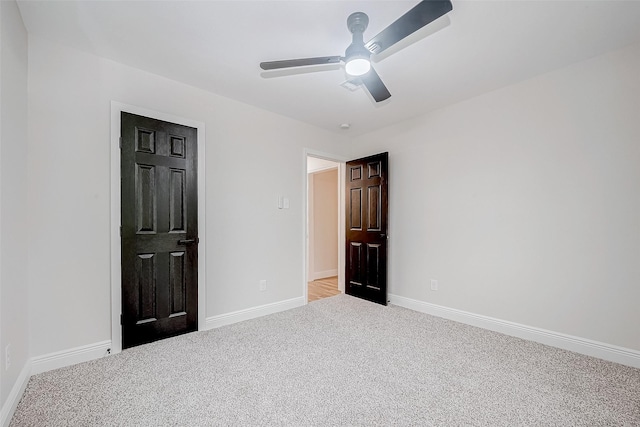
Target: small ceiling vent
[(352, 84)]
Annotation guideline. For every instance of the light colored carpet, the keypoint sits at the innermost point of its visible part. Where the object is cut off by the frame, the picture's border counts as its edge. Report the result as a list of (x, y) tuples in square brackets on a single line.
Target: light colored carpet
[(338, 361)]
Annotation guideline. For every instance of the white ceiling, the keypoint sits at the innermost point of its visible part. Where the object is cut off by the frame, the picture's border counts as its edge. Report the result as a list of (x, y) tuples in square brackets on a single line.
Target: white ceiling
[(217, 46)]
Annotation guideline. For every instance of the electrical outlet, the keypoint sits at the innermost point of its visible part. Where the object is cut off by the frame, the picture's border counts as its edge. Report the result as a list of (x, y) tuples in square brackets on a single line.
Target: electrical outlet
[(7, 357), (434, 285), (262, 285)]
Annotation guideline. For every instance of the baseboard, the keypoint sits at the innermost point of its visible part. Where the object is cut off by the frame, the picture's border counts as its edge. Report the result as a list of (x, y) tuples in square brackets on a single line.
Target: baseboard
[(323, 274), (585, 346), (253, 312), (15, 395), (69, 357)]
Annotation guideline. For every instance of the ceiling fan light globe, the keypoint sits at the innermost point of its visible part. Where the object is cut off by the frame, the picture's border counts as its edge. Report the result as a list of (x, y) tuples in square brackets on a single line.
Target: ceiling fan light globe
[(357, 66)]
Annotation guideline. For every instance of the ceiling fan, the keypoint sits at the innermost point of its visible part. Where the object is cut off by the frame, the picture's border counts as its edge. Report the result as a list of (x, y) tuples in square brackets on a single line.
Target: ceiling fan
[(357, 56)]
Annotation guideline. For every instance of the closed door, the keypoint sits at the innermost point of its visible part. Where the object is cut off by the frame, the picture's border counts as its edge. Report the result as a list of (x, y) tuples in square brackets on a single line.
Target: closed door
[(366, 228), (159, 229)]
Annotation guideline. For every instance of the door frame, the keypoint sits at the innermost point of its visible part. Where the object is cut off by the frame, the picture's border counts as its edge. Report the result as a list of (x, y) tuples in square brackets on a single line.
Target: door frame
[(341, 161), (116, 272)]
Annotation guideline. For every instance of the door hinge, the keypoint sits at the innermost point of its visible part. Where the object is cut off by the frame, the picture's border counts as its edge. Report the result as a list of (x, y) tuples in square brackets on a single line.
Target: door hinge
[(120, 231), (120, 143), (121, 319)]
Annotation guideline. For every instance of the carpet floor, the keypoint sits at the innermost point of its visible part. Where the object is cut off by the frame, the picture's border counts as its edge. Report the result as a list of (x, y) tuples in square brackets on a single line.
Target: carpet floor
[(339, 361)]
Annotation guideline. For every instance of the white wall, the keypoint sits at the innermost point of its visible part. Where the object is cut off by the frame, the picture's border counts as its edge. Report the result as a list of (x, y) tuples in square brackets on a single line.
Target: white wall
[(323, 232), (253, 156), (525, 203), (13, 189), (522, 202)]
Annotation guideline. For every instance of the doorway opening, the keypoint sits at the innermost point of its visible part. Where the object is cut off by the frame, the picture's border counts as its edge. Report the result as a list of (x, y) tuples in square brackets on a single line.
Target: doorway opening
[(324, 227)]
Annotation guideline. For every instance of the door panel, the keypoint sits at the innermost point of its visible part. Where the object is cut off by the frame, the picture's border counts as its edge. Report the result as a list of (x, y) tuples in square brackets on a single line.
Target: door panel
[(159, 229), (176, 201), (177, 285), (366, 228), (374, 208), (355, 263), (355, 205), (146, 287), (146, 198)]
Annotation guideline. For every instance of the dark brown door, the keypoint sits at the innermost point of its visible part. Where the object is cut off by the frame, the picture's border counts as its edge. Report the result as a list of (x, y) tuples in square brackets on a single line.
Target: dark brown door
[(366, 223), (159, 230)]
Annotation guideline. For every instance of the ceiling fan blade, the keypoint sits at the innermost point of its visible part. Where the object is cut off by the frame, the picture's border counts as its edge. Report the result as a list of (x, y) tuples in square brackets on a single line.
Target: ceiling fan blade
[(374, 85), (321, 60), (423, 13)]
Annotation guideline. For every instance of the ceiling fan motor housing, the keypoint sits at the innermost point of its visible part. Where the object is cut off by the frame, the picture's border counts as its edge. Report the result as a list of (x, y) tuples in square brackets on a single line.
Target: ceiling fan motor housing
[(357, 23)]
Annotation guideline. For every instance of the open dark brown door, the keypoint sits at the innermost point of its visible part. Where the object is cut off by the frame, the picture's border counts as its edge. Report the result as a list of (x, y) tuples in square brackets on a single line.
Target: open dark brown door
[(159, 230), (366, 228)]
